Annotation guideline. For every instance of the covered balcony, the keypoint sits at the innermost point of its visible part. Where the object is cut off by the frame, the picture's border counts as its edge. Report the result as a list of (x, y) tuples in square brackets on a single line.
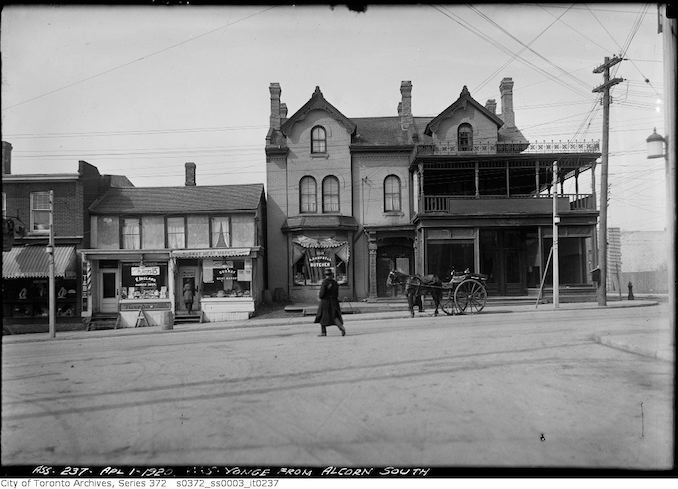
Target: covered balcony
[(501, 184)]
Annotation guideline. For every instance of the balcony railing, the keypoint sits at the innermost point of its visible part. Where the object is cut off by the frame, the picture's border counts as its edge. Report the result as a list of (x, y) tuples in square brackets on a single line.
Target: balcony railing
[(446, 203), (450, 147)]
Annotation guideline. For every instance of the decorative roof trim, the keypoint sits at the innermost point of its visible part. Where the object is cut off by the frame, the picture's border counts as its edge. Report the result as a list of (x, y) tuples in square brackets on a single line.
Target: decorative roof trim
[(461, 103), (318, 102)]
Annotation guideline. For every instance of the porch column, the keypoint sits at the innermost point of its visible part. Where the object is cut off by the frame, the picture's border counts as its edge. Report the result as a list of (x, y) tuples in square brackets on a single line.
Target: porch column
[(420, 190), (508, 183), (86, 310), (372, 252), (576, 183), (536, 176), (477, 177)]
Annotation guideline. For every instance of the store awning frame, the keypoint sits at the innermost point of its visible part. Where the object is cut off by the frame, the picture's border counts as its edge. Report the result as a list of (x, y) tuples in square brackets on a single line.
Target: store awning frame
[(33, 262)]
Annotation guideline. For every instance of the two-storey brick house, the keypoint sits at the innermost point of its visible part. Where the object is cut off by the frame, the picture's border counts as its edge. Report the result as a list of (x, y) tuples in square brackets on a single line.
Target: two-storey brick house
[(463, 189), (149, 243), (25, 199)]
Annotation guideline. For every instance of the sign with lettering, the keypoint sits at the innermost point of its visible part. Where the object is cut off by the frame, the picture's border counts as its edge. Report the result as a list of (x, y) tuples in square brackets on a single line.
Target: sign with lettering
[(141, 271), (320, 261)]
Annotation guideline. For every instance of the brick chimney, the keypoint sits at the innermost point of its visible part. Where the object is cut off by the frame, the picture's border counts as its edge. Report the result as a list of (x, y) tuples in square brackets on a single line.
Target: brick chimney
[(491, 105), (190, 174), (506, 90), (406, 105), (6, 158), (274, 89)]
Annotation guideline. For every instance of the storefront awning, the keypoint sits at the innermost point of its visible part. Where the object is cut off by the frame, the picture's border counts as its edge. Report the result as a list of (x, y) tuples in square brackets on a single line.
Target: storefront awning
[(212, 253), (33, 261), (302, 243)]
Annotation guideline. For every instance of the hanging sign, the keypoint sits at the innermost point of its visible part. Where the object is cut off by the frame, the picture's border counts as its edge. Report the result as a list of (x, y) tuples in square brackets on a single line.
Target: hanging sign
[(141, 271)]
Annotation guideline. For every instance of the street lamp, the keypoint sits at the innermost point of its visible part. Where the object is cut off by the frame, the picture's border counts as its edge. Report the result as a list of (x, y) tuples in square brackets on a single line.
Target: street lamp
[(655, 146)]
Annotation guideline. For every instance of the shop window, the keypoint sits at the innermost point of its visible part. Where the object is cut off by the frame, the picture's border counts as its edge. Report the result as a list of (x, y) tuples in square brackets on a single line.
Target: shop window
[(307, 194), (226, 278), (465, 137), (312, 257), (318, 140), (392, 193), (30, 298), (176, 232), (221, 232), (40, 212), (147, 281), (330, 194), (4, 205), (131, 233)]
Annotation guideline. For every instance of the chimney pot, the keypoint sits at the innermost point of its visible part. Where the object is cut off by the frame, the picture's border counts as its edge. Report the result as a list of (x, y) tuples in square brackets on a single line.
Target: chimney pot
[(506, 91), (405, 107), (190, 174), (283, 111), (275, 91), (491, 105)]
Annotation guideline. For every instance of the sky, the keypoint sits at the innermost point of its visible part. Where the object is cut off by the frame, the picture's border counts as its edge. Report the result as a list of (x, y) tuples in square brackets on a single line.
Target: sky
[(139, 91)]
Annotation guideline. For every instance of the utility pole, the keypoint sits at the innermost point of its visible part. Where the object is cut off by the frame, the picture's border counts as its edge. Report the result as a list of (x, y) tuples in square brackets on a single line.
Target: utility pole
[(556, 221), (50, 255), (602, 241)]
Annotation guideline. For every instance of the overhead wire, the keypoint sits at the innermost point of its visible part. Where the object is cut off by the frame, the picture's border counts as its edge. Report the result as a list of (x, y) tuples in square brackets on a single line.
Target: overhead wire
[(136, 60)]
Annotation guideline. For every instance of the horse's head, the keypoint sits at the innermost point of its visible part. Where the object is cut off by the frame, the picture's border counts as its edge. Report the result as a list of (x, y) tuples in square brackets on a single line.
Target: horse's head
[(394, 278)]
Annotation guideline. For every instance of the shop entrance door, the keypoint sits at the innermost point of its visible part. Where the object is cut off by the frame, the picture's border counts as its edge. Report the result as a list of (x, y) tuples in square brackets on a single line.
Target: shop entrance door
[(188, 275), (502, 259), (110, 290)]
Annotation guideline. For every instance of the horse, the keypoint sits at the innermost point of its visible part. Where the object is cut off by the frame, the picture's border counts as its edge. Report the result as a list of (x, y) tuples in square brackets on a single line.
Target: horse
[(417, 286)]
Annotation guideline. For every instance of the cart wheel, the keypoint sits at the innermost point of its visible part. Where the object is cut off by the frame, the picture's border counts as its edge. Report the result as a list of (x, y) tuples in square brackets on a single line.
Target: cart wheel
[(448, 303), (470, 296)]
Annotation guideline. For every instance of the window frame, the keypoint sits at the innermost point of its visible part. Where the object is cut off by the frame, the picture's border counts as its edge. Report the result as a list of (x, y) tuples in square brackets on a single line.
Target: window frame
[(396, 178), (466, 130), (211, 230), (318, 140), (330, 178), (33, 209), (167, 231), (302, 194), (122, 232)]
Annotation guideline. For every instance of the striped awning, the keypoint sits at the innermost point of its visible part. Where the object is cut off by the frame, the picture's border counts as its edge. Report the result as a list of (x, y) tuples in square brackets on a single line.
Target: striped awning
[(212, 253), (33, 261)]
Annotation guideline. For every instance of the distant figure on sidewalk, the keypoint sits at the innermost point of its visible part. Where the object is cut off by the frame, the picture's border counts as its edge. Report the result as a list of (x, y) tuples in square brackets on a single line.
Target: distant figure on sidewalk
[(329, 312), (188, 297), (631, 291)]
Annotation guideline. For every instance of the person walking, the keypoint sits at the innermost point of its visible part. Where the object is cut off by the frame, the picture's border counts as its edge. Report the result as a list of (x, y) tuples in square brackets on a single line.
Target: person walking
[(188, 296), (329, 312)]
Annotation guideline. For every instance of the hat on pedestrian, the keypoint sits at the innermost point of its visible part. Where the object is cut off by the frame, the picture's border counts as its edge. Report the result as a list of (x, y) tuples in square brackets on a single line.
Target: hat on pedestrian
[(329, 272)]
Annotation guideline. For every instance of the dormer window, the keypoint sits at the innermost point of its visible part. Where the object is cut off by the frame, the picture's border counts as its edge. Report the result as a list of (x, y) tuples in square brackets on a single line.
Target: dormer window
[(465, 137), (318, 140)]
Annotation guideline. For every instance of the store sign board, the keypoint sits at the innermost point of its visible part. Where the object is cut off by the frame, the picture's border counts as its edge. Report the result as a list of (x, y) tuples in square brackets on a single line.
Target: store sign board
[(144, 271), (321, 261)]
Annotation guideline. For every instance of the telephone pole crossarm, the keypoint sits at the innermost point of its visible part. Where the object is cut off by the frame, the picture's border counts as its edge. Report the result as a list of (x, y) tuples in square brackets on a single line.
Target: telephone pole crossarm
[(606, 86), (609, 63)]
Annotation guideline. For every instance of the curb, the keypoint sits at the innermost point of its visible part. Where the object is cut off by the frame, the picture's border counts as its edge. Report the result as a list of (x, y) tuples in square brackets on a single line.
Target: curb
[(296, 320), (610, 342)]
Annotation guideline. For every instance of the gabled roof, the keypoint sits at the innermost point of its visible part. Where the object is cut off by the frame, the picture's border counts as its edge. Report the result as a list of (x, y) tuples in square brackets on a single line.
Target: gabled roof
[(317, 102), (461, 103), (187, 199)]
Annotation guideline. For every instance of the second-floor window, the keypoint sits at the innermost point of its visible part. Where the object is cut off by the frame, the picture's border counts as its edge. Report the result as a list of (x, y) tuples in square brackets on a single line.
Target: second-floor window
[(131, 233), (40, 212), (318, 140), (392, 193), (176, 232), (307, 195), (221, 232), (331, 194), (465, 137)]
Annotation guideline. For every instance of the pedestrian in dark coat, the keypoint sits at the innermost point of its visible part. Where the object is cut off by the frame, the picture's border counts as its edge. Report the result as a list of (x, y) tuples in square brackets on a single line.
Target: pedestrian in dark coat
[(329, 312), (188, 296)]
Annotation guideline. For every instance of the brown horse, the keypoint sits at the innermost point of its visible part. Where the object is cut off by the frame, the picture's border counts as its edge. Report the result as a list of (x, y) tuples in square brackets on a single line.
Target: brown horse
[(417, 286)]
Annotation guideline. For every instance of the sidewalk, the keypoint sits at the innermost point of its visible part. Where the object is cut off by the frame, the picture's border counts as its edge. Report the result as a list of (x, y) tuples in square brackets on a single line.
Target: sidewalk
[(658, 344)]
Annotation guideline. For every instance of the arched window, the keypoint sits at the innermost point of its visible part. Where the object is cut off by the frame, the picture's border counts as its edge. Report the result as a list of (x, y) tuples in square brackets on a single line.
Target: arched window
[(391, 193), (307, 195), (318, 140), (465, 137), (330, 194)]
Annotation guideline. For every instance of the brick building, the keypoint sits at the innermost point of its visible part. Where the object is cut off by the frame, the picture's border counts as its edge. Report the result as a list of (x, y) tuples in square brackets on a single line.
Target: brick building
[(25, 199), (463, 189)]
